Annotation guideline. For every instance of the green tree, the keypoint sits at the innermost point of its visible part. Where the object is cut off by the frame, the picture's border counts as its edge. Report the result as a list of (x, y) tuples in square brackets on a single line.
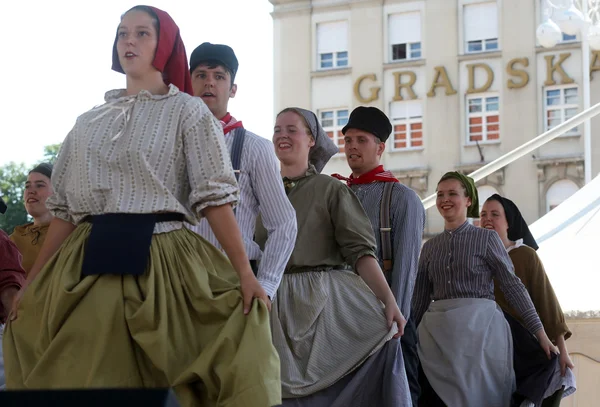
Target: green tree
[(51, 152), (12, 185)]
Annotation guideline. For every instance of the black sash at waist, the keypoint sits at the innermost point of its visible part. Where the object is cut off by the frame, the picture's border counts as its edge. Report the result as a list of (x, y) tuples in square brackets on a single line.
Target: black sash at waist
[(158, 217), (119, 243), (316, 269)]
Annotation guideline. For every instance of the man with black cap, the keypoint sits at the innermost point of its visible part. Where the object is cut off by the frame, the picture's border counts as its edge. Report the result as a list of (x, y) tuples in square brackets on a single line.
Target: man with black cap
[(30, 237), (213, 68), (12, 278), (397, 216)]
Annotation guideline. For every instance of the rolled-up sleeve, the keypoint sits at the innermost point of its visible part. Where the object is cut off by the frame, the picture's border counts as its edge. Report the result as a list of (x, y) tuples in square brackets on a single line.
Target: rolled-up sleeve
[(542, 294), (515, 292), (58, 203), (353, 230), (211, 177)]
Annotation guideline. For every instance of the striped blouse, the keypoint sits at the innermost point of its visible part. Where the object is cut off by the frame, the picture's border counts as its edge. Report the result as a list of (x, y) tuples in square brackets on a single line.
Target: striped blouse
[(461, 263), (143, 154)]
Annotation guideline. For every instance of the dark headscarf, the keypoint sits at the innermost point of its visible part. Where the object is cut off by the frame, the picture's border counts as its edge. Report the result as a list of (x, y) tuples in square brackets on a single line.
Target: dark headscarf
[(470, 188), (170, 57), (324, 147), (517, 227), (44, 169), (3, 206)]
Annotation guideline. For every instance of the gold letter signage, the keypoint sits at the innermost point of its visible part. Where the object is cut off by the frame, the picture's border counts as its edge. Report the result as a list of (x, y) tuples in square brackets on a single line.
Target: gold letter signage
[(398, 85), (520, 73), (517, 78), (488, 83), (441, 79), (551, 67), (374, 91)]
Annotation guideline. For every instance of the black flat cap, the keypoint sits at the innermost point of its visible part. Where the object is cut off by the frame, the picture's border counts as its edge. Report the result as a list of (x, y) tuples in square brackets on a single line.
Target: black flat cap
[(44, 169), (218, 54), (371, 120)]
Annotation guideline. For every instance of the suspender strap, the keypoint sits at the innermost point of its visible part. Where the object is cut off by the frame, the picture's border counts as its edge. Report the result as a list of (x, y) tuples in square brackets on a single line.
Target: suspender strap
[(239, 135), (385, 227)]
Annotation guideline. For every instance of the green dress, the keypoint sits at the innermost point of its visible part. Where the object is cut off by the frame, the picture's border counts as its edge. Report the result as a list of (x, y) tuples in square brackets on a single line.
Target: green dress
[(325, 320)]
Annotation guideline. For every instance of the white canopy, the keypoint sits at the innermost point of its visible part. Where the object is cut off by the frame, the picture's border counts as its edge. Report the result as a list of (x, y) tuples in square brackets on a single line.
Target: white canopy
[(569, 240)]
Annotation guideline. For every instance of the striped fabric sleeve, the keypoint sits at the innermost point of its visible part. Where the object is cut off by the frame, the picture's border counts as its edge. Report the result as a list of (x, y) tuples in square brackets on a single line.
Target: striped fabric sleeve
[(57, 203), (515, 292), (423, 288), (408, 223), (277, 214)]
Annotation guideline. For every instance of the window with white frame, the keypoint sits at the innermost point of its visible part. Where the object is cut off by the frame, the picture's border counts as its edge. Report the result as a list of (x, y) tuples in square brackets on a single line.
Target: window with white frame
[(480, 27), (556, 16), (407, 123), (333, 121), (560, 104), (332, 45), (404, 36), (559, 192), (483, 118)]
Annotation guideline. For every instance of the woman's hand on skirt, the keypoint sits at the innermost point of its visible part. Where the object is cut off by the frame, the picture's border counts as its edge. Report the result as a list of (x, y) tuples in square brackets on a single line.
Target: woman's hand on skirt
[(6, 298), (252, 289), (393, 314), (565, 362), (546, 343), (16, 300)]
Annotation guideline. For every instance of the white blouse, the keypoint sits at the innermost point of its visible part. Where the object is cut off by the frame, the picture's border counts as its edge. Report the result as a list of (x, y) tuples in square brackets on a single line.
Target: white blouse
[(143, 154)]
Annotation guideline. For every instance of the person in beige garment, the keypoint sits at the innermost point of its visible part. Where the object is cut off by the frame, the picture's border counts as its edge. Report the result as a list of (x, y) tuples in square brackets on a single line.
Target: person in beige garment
[(122, 295), (30, 237)]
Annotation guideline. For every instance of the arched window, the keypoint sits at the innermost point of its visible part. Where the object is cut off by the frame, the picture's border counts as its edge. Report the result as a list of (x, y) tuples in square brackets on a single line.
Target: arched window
[(559, 192)]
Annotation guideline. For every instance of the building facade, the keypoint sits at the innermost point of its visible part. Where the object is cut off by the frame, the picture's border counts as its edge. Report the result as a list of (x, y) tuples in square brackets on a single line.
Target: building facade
[(463, 81)]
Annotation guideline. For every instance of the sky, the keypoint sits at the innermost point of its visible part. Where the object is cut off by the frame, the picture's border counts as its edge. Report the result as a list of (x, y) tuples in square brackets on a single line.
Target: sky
[(57, 63)]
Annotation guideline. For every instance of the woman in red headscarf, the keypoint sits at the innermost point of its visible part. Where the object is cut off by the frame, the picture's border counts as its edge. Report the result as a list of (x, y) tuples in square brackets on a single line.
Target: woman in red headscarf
[(122, 295)]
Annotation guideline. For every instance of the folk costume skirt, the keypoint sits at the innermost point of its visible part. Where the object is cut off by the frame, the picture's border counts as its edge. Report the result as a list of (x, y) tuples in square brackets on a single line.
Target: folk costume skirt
[(539, 381), (180, 324), (334, 343), (465, 348)]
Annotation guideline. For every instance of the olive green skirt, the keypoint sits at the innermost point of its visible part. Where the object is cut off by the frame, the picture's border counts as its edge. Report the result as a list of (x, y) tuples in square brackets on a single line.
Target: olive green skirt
[(179, 325)]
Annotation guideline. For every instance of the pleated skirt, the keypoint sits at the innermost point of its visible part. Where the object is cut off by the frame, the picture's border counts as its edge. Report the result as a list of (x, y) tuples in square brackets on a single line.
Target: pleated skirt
[(180, 324)]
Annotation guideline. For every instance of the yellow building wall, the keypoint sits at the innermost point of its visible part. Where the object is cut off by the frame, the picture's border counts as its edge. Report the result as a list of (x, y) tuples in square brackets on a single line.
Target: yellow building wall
[(584, 348)]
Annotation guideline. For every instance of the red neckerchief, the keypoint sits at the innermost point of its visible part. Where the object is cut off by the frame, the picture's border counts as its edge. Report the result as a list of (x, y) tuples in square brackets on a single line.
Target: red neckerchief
[(229, 123), (376, 175)]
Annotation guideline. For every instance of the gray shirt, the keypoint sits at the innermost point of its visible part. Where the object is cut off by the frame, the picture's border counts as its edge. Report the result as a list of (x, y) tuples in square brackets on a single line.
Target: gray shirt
[(407, 218)]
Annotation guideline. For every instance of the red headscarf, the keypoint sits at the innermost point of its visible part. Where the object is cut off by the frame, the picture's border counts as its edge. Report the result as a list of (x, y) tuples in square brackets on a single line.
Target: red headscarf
[(170, 57)]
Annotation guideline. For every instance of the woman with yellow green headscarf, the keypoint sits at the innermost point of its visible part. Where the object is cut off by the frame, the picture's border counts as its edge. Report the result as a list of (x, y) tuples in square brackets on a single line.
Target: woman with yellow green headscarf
[(465, 343)]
